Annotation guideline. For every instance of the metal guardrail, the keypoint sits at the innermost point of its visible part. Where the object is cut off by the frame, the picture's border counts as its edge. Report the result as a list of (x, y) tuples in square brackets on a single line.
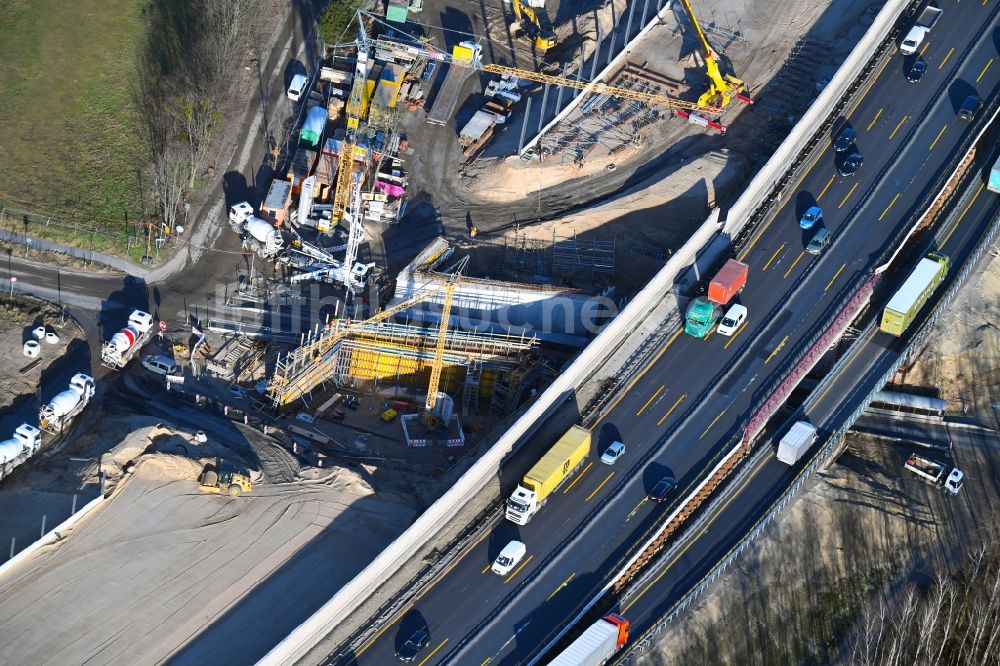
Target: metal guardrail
[(833, 441)]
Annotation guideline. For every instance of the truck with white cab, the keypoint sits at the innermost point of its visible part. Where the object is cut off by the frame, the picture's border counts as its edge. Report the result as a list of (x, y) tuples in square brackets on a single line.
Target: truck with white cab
[(934, 472), (60, 412), (915, 37), (557, 465), (123, 345), (19, 448)]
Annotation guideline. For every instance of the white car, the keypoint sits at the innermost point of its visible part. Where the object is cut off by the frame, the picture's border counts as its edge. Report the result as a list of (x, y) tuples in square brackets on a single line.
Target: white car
[(161, 365), (508, 558), (297, 87), (733, 319), (613, 453)]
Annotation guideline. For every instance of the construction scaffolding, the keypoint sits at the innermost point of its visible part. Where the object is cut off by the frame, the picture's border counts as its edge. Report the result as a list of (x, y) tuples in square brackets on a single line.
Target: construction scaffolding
[(398, 353), (575, 256), (522, 256)]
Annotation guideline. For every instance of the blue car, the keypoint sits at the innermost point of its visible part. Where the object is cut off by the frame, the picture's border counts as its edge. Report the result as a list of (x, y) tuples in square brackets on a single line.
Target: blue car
[(812, 217)]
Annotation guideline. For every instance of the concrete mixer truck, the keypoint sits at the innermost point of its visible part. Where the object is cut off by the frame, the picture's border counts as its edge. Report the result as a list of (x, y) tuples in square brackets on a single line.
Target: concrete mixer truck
[(257, 234), (19, 448), (59, 413), (124, 344)]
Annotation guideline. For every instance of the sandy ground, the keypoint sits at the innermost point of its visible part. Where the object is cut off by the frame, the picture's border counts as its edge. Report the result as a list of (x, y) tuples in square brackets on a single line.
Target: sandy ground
[(162, 570), (865, 524), (16, 323)]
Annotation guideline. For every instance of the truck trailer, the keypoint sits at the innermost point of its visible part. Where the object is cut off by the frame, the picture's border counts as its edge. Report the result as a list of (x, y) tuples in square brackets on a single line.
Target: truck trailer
[(915, 37), (704, 313), (911, 297), (993, 184), (796, 442), (597, 644), (933, 472), (447, 97), (557, 465)]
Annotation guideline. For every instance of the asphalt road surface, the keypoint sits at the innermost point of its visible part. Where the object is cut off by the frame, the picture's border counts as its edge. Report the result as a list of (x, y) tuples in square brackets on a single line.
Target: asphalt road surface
[(691, 401)]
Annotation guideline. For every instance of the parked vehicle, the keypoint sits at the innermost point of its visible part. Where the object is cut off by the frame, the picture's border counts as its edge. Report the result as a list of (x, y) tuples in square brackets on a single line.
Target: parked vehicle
[(734, 318), (123, 345), (916, 71), (60, 412), (558, 464), (509, 557), (933, 472), (911, 297), (703, 314), (915, 37), (662, 489), (597, 644), (811, 217), (819, 241), (160, 365), (796, 442), (613, 453), (297, 87)]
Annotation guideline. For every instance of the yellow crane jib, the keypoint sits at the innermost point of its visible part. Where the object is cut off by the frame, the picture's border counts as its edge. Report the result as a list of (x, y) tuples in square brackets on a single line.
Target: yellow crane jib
[(721, 88)]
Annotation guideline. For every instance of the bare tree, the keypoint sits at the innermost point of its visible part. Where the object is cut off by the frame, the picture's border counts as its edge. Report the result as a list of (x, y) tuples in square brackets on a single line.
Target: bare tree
[(170, 179)]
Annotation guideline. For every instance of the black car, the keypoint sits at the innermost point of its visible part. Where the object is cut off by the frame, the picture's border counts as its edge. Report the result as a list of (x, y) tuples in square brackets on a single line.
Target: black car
[(970, 107), (662, 489), (845, 140), (414, 644), (850, 164), (916, 71)]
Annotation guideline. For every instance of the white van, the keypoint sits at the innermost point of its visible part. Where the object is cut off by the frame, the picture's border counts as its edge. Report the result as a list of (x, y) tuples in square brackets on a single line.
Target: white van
[(160, 365), (297, 87), (508, 558)]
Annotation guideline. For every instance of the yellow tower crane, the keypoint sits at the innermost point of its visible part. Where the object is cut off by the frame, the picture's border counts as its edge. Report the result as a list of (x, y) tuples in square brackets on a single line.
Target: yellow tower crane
[(430, 417), (721, 88)]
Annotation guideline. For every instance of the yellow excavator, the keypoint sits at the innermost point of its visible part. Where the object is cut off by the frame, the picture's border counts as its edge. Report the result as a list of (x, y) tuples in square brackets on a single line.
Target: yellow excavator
[(224, 478), (721, 88), (543, 35)]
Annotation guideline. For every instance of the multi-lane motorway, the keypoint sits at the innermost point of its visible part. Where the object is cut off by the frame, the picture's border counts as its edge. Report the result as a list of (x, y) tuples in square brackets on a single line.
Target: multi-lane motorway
[(689, 403)]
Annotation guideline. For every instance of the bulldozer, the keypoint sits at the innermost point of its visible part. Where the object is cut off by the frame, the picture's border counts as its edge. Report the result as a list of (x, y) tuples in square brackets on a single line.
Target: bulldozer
[(224, 478)]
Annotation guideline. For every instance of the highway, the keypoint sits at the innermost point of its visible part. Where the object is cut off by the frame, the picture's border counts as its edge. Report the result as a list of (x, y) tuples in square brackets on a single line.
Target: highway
[(692, 399)]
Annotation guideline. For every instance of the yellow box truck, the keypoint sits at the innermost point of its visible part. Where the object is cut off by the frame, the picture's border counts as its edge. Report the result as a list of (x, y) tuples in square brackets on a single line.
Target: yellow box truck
[(557, 465), (911, 297)]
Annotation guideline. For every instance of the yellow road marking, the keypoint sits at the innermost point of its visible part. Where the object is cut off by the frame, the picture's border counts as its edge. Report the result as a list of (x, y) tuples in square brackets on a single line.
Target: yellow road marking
[(712, 423), (826, 187), (636, 507), (658, 392), (448, 570), (950, 51), (938, 137), (638, 377), (897, 127), (870, 86), (518, 569), (578, 477), (733, 336), (835, 275), (606, 479), (556, 591), (874, 120), (671, 410), (428, 657), (486, 661), (894, 199), (944, 241), (773, 256), (983, 73), (776, 349), (926, 44), (848, 196), (383, 630), (486, 568), (793, 264)]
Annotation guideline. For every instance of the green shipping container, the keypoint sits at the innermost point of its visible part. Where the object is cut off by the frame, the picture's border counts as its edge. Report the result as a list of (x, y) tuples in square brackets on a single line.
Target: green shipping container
[(396, 14), (911, 297)]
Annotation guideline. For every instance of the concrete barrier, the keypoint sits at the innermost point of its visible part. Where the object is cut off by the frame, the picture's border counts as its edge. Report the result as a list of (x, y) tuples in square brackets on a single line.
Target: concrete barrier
[(700, 248)]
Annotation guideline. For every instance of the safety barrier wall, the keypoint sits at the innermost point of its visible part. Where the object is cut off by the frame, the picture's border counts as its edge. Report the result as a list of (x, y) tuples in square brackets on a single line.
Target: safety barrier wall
[(645, 641), (348, 598)]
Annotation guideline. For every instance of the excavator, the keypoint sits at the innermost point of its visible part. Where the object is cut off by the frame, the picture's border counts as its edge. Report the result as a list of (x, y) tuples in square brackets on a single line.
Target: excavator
[(721, 88), (544, 35)]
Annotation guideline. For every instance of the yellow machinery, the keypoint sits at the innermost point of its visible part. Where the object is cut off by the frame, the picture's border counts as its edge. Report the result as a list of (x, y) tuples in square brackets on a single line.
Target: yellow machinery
[(223, 478), (430, 418), (544, 36), (721, 88)]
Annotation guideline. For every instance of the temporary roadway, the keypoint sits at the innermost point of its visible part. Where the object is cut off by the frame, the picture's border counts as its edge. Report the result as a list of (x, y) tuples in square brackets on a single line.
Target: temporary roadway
[(692, 399)]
